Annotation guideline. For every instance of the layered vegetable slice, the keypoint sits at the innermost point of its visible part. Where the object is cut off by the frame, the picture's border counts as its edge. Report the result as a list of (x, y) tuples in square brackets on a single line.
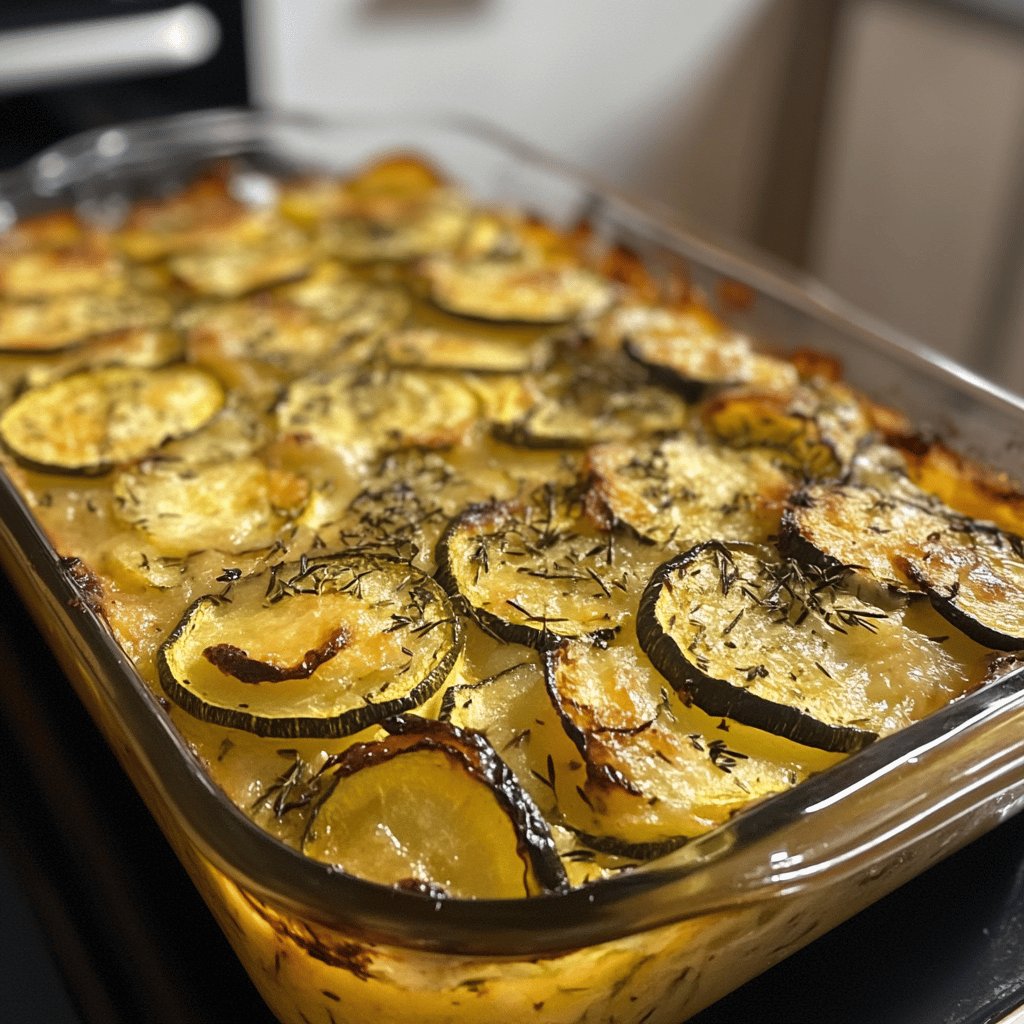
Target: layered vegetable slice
[(975, 579), (516, 291), (690, 349), (230, 506), (397, 230), (91, 421), (228, 271), (652, 776), (142, 347), (685, 489), (815, 428), (295, 329), (67, 320), (391, 181), (971, 489), (360, 411), (542, 569), (782, 647), (863, 530), (321, 647), (404, 503), (448, 350), (432, 808), (84, 261), (595, 402), (332, 293), (395, 210), (201, 214)]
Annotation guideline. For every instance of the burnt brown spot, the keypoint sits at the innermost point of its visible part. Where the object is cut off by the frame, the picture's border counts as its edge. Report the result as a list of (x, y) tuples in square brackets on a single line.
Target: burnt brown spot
[(233, 661)]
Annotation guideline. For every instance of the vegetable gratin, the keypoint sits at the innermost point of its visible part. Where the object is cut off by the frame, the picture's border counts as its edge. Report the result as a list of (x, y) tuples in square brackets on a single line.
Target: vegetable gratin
[(469, 556)]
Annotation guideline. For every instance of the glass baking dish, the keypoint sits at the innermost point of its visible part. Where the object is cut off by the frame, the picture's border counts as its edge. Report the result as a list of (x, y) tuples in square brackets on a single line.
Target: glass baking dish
[(653, 945)]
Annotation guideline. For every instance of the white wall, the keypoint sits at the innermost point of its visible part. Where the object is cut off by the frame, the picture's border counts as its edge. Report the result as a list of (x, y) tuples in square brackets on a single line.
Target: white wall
[(676, 100), (667, 98), (922, 160)]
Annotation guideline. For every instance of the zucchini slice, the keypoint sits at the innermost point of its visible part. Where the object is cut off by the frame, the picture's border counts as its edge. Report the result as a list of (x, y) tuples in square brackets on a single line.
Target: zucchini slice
[(201, 214), (595, 403), (405, 502), (94, 420), (228, 506), (690, 350), (683, 490), (397, 230), (358, 307), (85, 263), (142, 347), (397, 178), (295, 335), (361, 412), (534, 572), (782, 648), (433, 808), (653, 778), (447, 350), (975, 579), (227, 272), (515, 291), (322, 647), (68, 320), (815, 429), (862, 530)]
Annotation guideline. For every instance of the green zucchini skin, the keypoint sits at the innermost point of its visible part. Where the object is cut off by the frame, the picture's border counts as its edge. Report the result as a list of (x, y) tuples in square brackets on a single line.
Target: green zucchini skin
[(612, 846), (346, 723), (719, 697), (535, 842)]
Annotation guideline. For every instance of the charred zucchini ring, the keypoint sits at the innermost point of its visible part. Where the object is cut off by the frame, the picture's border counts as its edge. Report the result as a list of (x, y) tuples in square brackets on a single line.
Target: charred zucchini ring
[(433, 808), (322, 647), (813, 429), (91, 421), (691, 351)]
